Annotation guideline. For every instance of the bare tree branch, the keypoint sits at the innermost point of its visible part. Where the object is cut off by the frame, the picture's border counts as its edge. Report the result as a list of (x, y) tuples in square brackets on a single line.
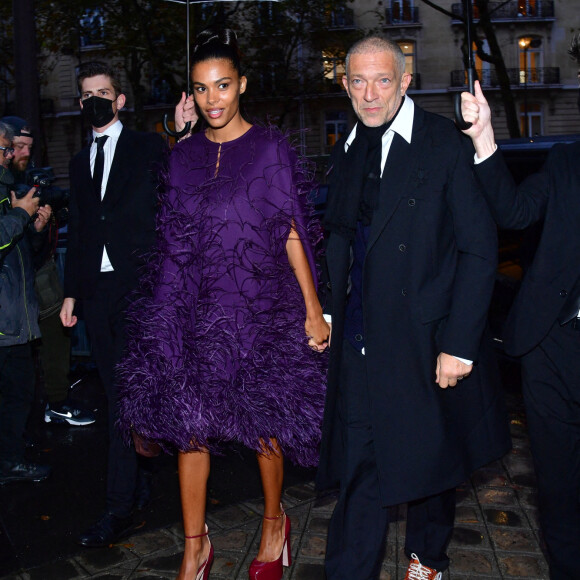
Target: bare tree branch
[(574, 48)]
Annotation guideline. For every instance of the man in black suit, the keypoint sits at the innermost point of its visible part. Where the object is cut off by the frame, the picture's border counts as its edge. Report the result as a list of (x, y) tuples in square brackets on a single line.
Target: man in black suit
[(543, 327), (411, 258), (112, 225)]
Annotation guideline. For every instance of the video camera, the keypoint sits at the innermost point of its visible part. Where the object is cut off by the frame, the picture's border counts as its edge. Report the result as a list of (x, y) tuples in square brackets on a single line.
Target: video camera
[(42, 178)]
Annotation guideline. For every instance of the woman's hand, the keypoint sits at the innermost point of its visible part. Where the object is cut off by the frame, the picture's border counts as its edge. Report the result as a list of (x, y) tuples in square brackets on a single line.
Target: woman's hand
[(318, 332), (317, 329)]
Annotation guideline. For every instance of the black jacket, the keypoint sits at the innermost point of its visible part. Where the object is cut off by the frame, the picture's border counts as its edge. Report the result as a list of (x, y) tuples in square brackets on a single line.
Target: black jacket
[(124, 221), (18, 305), (552, 194)]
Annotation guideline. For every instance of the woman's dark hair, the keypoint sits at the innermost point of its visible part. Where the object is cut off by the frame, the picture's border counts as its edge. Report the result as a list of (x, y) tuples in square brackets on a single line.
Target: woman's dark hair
[(217, 44)]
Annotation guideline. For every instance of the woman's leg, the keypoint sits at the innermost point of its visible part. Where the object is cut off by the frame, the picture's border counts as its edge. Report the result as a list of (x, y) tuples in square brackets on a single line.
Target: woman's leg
[(271, 465), (193, 474)]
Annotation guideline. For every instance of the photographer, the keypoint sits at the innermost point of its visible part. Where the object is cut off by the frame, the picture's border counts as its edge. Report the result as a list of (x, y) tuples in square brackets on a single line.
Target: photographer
[(18, 320), (22, 143), (54, 348)]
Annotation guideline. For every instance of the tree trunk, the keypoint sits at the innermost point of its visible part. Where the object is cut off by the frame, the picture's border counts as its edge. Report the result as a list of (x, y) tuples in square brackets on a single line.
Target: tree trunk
[(26, 70), (133, 68)]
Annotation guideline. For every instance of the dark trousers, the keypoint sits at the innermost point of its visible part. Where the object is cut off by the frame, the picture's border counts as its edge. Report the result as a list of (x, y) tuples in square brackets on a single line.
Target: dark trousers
[(54, 350), (551, 385), (358, 527), (16, 396), (104, 315)]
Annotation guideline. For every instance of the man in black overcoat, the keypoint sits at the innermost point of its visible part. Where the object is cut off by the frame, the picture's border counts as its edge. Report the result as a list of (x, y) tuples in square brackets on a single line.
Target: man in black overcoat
[(111, 227), (413, 405), (543, 327)]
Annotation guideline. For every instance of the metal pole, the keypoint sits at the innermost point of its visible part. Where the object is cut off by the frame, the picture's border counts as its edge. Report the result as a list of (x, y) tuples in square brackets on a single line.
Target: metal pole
[(526, 127), (461, 123), (470, 58), (165, 123), (187, 34)]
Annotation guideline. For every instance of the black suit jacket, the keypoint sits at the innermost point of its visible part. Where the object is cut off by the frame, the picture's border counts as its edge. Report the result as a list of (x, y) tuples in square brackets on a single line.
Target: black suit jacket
[(427, 281), (123, 222), (553, 195)]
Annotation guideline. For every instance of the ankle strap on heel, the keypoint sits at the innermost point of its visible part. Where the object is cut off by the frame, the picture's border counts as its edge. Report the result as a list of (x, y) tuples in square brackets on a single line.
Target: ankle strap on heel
[(275, 517), (198, 536)]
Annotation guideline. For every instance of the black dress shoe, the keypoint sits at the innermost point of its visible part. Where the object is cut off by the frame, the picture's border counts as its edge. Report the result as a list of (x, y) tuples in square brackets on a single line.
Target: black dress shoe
[(13, 471), (108, 530)]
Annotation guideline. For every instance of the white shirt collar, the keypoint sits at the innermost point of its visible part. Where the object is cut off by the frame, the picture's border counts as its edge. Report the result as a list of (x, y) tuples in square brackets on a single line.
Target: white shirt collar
[(403, 123), (113, 131)]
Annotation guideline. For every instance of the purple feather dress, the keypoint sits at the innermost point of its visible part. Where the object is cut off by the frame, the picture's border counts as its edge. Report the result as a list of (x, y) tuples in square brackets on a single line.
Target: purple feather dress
[(216, 348)]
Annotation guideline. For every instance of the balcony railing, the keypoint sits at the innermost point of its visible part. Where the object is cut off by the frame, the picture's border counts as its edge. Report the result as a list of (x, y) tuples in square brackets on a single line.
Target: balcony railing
[(512, 10), (536, 77), (404, 17)]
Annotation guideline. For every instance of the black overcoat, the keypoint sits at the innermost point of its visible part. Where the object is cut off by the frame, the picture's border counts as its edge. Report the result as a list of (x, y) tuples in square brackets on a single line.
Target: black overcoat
[(427, 282)]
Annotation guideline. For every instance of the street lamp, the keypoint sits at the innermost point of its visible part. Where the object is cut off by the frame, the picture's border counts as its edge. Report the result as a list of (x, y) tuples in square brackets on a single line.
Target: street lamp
[(525, 44)]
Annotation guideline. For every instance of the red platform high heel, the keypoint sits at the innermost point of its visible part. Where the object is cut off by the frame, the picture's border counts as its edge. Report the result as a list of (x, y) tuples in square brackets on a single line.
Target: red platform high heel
[(203, 570), (273, 570)]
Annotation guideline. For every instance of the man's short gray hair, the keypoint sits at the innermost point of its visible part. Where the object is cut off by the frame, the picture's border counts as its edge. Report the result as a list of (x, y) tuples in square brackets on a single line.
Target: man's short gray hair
[(377, 43), (6, 131)]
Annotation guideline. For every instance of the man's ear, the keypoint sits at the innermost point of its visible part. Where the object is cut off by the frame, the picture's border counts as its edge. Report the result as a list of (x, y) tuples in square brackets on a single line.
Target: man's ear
[(405, 82), (121, 100), (345, 83)]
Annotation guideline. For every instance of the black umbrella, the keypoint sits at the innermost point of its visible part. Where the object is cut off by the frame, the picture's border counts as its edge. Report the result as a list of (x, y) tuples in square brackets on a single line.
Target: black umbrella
[(171, 132), (471, 73)]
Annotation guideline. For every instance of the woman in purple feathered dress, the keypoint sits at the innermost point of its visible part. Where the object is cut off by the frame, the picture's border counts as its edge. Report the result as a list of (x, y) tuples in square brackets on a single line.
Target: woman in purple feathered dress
[(226, 347)]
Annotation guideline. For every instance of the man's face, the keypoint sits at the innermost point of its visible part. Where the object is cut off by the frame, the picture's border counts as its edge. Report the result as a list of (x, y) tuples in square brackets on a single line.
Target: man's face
[(22, 150), (374, 86), (5, 161), (100, 86)]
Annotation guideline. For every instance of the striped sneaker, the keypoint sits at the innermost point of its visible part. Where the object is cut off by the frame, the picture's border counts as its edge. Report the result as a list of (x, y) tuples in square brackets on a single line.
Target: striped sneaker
[(417, 571)]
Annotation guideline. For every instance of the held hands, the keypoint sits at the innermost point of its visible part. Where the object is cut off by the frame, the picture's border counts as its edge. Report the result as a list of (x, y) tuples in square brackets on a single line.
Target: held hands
[(450, 370), (28, 203), (318, 332), (476, 110), (185, 112)]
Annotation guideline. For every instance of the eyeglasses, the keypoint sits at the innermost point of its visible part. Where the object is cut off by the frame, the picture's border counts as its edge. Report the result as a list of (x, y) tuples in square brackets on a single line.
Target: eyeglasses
[(7, 151)]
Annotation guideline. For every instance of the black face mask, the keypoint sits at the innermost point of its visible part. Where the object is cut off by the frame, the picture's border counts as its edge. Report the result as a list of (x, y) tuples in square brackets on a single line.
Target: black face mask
[(98, 111)]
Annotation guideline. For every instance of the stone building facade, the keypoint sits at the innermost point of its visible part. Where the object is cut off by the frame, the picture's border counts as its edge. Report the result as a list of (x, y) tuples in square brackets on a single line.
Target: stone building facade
[(533, 35)]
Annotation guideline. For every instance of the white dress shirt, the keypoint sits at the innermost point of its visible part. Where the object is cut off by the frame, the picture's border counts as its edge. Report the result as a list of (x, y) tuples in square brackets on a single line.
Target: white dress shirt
[(403, 125), (112, 133)]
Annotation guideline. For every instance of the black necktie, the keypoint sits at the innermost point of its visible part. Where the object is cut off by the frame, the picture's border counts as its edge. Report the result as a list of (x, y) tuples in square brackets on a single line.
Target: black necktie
[(99, 163)]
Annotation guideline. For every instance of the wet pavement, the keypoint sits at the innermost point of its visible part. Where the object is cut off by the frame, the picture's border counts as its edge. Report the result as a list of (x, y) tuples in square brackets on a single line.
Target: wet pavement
[(496, 533)]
